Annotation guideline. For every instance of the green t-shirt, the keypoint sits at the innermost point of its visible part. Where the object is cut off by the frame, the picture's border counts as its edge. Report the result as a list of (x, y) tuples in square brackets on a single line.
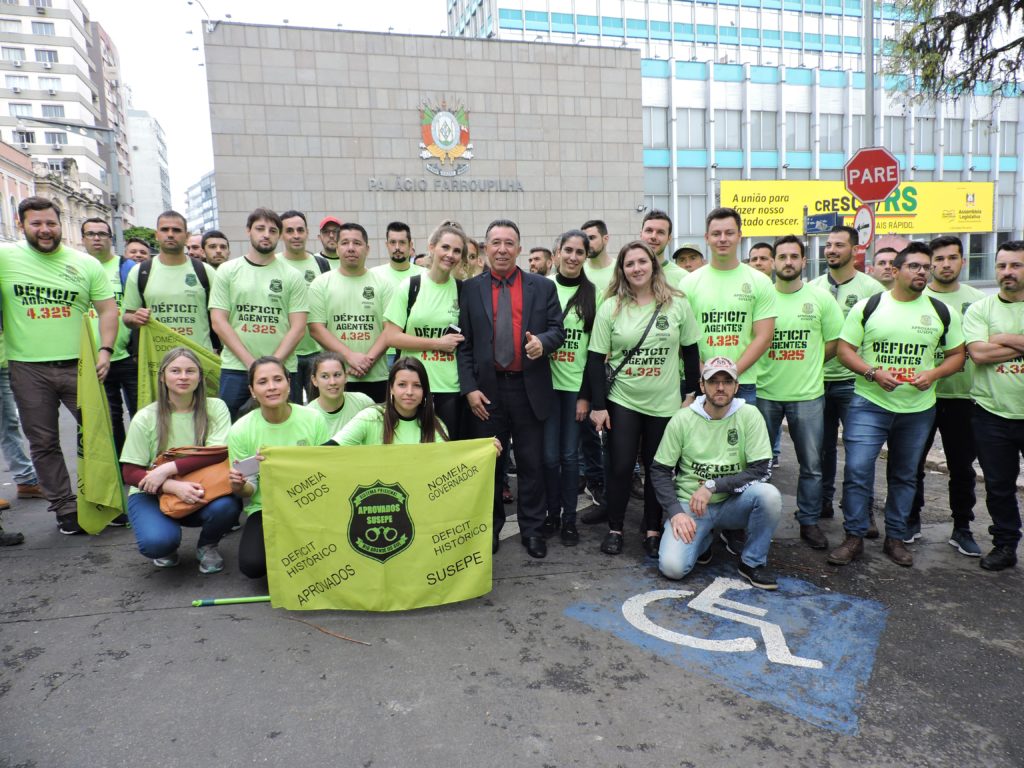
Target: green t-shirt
[(649, 383), (352, 309), (600, 277), (395, 278), (859, 287), (436, 307), (140, 443), (258, 300), (112, 267), (957, 386), (997, 387), (309, 268), (791, 370), (569, 360), (44, 298), (3, 350), (901, 337), (367, 428), (701, 448), (175, 297), (726, 304), (674, 274), (354, 403), (251, 433)]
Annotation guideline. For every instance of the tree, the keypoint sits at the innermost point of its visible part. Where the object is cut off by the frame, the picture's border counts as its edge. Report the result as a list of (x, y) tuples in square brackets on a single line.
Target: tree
[(953, 46), (143, 233)]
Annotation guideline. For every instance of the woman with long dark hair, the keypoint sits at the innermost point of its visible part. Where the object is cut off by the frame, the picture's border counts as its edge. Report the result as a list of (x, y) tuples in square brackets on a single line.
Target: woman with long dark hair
[(570, 403), (328, 377), (642, 328)]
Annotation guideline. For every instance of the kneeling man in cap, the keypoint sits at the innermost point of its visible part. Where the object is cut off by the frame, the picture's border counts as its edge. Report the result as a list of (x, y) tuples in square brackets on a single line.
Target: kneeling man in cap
[(719, 451)]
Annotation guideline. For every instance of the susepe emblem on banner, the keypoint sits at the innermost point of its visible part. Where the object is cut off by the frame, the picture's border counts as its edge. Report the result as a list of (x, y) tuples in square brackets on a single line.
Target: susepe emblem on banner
[(378, 528)]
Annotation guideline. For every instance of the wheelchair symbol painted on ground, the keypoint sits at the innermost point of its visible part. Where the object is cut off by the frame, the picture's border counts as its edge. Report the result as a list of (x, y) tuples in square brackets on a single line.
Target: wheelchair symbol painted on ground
[(712, 601)]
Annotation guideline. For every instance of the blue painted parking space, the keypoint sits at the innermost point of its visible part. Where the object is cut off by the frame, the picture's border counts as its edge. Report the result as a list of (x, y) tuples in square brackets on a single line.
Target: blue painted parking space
[(803, 649)]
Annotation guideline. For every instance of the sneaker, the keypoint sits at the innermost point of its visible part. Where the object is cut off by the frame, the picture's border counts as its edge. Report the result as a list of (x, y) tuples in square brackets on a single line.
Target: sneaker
[(596, 493), (734, 541), (964, 542), (550, 526), (31, 491), (121, 521), (166, 562), (210, 560), (10, 539), (596, 514), (914, 535), (569, 535), (775, 462), (68, 525), (759, 576), (999, 558), (506, 495), (705, 557)]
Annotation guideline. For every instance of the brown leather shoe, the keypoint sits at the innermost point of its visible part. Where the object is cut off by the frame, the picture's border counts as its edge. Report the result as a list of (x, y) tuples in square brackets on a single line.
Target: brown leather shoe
[(851, 548), (872, 528), (814, 536), (897, 551), (34, 491), (4, 504)]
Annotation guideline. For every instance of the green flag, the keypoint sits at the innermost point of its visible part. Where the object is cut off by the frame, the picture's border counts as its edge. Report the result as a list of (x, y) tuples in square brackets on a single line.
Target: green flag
[(155, 340), (378, 528), (100, 491)]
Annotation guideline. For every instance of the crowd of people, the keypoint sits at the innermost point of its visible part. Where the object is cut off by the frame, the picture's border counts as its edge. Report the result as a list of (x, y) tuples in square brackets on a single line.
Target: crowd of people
[(679, 370)]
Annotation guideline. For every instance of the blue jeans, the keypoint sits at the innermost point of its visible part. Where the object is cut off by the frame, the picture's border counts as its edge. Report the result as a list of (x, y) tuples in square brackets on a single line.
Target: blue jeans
[(18, 463), (561, 459), (748, 392), (837, 402), (159, 535), (867, 427), (757, 510), (805, 428), (591, 454), (234, 390)]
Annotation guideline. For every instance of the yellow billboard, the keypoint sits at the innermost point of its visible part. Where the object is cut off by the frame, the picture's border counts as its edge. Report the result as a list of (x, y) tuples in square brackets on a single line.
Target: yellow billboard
[(773, 208)]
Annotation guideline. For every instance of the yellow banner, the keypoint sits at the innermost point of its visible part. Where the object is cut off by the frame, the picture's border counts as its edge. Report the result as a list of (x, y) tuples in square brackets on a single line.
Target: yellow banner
[(156, 340), (774, 208), (100, 495), (378, 528)]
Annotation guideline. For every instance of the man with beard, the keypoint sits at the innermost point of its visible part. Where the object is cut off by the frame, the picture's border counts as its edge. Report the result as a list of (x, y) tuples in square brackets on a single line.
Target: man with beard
[(330, 231), (889, 341), (847, 286), (789, 379), (216, 247), (600, 266), (398, 240), (994, 330), (47, 288), (539, 261), (172, 288), (258, 307), (346, 314), (656, 231), (953, 406)]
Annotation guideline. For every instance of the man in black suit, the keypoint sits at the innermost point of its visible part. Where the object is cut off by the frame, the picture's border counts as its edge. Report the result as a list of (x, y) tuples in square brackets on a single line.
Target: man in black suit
[(511, 322)]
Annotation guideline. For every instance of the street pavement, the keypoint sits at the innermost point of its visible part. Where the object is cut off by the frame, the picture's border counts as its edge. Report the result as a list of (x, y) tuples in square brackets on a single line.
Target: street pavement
[(580, 659)]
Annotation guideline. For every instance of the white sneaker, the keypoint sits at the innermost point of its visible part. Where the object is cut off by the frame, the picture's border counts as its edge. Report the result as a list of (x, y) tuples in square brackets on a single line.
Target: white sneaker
[(166, 562), (210, 560)]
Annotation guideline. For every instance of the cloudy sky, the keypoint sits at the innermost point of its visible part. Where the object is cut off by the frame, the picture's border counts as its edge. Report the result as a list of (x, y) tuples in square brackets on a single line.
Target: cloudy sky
[(155, 42)]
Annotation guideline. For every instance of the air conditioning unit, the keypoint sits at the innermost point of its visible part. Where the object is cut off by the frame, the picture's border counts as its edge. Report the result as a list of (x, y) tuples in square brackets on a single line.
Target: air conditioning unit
[(47, 65), (58, 147), (16, 89), (24, 145), (17, 63), (41, 10), (53, 91)]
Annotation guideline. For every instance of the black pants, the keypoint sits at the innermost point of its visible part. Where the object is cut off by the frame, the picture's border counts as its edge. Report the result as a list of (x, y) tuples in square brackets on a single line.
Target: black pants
[(953, 422), (1000, 444), (631, 430), (122, 385), (511, 414), (376, 390), (305, 376), (252, 556), (449, 408)]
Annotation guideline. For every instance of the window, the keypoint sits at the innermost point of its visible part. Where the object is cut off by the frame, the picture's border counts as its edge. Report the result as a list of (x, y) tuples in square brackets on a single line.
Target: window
[(56, 137), (655, 127), (762, 131), (692, 203), (41, 3), (17, 81), (1008, 137), (10, 25), (25, 137), (830, 129), (981, 132), (21, 110), (46, 55), (924, 128), (690, 129), (857, 129), (13, 54), (727, 129), (49, 83), (55, 166), (45, 28), (954, 135), (53, 110), (798, 131), (895, 134)]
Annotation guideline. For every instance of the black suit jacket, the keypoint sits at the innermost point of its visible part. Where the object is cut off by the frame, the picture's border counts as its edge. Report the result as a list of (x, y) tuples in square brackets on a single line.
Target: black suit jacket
[(542, 316)]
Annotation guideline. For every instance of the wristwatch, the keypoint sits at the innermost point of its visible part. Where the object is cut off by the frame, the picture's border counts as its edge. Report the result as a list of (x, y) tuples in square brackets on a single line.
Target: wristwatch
[(710, 485), (869, 374)]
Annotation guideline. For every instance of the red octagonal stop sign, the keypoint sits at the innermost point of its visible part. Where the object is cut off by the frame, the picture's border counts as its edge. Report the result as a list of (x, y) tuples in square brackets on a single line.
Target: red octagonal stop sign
[(871, 174)]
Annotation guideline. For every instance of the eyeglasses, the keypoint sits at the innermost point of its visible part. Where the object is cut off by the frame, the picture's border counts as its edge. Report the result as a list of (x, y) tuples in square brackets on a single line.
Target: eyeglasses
[(917, 267)]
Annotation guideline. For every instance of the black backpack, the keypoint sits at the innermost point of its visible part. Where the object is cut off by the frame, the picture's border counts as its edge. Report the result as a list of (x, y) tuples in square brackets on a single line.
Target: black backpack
[(204, 280), (414, 290), (940, 309)]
